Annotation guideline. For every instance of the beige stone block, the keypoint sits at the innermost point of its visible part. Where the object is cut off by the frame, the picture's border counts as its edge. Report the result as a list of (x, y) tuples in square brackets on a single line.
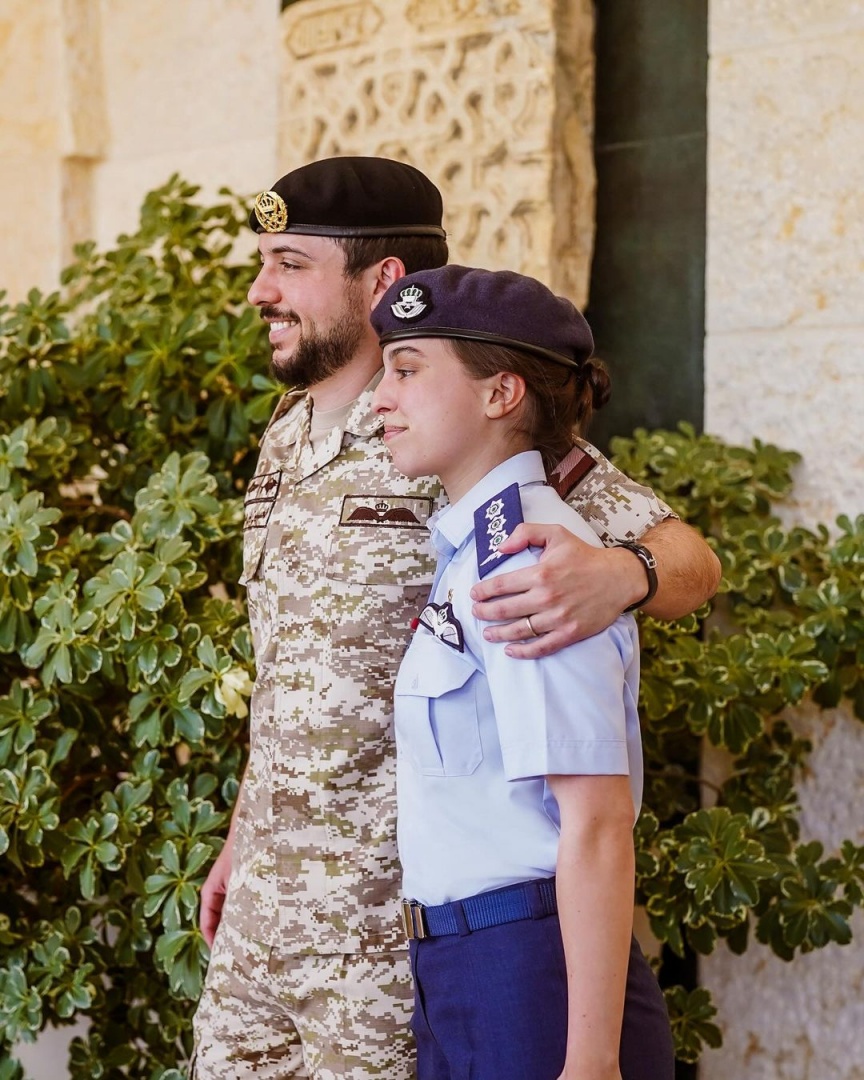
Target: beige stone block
[(191, 74), (492, 98), (85, 110), (802, 390), (786, 186), (31, 77), (803, 1021), (30, 223), (737, 25), (120, 186)]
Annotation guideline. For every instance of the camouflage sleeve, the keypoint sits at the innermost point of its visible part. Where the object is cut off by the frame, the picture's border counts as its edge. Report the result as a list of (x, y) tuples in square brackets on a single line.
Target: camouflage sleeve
[(616, 507)]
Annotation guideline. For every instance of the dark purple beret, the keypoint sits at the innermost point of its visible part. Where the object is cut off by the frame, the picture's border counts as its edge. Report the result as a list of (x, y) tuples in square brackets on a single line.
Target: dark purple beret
[(484, 305), (351, 196)]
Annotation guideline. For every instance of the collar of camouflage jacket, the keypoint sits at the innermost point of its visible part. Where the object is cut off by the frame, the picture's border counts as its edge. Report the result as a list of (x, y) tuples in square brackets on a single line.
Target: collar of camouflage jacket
[(361, 419)]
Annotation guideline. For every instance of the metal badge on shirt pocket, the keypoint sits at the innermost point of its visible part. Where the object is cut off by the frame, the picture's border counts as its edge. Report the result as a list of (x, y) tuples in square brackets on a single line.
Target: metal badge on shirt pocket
[(260, 499), (386, 511), (440, 620)]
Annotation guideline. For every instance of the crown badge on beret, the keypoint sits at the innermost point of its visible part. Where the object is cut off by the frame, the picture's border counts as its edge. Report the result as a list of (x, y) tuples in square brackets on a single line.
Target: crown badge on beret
[(271, 211), (410, 303)]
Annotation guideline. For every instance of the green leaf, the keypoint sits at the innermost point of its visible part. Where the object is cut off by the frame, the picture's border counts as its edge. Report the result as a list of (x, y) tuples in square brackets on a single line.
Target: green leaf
[(691, 1014), (722, 864)]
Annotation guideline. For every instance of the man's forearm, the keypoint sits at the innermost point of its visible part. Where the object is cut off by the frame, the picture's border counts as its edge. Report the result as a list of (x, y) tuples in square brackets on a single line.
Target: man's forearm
[(688, 571)]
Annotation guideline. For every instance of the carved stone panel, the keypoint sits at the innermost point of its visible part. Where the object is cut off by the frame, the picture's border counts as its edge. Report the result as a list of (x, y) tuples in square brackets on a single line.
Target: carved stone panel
[(493, 99)]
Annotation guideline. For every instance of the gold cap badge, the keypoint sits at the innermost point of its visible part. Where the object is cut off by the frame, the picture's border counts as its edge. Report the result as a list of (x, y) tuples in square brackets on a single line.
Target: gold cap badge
[(271, 211)]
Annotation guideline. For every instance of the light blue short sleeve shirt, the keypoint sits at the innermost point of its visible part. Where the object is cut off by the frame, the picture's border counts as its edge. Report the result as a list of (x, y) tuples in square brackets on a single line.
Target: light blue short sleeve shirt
[(478, 732)]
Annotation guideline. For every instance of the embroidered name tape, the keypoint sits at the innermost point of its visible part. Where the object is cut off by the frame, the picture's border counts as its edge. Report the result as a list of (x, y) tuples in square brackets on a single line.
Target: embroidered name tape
[(494, 521)]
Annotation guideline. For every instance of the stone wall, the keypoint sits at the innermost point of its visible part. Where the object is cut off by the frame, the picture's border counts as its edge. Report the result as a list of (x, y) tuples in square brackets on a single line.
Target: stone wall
[(33, 125), (102, 100), (492, 98), (784, 362)]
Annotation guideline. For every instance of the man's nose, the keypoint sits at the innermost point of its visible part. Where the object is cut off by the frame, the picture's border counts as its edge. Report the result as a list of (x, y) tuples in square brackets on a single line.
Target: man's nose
[(262, 290)]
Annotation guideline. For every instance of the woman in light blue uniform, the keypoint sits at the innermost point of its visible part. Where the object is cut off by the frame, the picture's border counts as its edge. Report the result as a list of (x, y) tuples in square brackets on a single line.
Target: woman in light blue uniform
[(518, 781)]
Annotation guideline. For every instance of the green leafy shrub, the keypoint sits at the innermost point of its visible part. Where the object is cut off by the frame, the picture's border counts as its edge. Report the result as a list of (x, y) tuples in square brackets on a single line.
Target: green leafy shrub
[(728, 863), (129, 406)]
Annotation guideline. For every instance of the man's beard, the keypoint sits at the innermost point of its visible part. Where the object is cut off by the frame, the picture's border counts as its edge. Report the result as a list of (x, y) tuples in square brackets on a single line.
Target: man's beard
[(317, 355)]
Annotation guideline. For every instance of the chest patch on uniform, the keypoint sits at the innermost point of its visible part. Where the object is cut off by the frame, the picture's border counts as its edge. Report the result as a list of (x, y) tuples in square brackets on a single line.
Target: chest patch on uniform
[(494, 521), (439, 618), (571, 471), (260, 499), (391, 511)]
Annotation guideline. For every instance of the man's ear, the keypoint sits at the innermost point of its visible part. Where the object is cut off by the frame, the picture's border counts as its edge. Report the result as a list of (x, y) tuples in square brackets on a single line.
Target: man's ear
[(506, 392), (385, 273)]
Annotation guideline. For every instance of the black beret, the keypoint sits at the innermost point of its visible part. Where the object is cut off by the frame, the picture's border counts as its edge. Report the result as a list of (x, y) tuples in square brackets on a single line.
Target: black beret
[(351, 196), (484, 305)]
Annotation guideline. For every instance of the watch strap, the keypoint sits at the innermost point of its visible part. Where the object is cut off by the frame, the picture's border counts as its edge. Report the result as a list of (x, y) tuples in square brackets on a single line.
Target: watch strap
[(650, 563)]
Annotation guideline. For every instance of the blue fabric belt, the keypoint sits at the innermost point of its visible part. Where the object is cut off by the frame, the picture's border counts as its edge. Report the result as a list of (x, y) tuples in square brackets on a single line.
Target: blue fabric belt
[(527, 900)]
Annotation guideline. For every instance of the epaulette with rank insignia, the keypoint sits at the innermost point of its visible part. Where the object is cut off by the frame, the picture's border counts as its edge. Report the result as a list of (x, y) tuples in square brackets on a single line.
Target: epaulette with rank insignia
[(569, 473), (494, 521)]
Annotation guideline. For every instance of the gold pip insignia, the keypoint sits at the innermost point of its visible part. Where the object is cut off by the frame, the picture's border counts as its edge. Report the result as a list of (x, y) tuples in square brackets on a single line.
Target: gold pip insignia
[(271, 211)]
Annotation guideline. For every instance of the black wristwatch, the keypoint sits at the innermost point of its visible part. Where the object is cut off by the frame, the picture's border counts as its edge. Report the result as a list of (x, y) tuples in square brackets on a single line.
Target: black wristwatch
[(650, 563)]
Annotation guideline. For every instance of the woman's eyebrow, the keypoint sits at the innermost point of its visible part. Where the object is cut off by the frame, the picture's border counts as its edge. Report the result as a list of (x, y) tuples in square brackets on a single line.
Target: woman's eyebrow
[(397, 350)]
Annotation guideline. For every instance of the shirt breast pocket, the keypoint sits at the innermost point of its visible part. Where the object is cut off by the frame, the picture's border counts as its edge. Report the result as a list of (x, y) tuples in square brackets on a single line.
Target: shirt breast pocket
[(380, 556), (437, 727)]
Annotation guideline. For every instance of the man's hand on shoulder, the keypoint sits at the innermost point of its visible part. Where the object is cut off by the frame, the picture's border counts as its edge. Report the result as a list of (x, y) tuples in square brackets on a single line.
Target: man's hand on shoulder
[(575, 591)]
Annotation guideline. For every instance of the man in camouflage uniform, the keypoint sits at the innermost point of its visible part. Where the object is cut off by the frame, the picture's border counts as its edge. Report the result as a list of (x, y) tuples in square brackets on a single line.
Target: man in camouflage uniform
[(309, 973)]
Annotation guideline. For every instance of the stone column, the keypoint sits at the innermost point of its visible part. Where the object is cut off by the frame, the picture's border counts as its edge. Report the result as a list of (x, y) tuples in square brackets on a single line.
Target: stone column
[(51, 134), (102, 100), (493, 99)]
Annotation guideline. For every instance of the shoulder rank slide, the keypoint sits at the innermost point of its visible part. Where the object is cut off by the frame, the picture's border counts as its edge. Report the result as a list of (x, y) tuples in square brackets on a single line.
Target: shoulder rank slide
[(569, 473), (493, 523), (439, 618)]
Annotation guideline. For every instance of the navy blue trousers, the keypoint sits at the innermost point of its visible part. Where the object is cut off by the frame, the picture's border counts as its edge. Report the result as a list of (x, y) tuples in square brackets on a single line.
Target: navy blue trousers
[(492, 1005)]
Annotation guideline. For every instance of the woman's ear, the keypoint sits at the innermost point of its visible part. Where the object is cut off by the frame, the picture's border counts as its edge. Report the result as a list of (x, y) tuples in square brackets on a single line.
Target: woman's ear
[(506, 393), (383, 275)]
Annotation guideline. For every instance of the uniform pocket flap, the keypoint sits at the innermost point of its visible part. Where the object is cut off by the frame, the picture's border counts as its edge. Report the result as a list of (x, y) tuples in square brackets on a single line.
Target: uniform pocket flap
[(253, 548), (431, 668)]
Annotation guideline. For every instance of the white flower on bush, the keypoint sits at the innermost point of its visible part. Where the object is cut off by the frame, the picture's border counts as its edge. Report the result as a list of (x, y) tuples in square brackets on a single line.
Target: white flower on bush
[(232, 690)]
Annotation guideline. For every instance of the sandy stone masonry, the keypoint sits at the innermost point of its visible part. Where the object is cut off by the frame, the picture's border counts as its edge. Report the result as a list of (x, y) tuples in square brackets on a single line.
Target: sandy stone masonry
[(492, 98), (102, 100), (784, 362)]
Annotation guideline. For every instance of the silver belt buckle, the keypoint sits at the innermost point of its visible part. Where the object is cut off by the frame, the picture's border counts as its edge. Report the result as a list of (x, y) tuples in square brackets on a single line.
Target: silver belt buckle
[(412, 920)]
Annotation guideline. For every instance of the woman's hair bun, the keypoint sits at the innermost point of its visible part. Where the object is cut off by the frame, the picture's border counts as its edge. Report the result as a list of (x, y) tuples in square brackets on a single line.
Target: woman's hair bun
[(595, 375)]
